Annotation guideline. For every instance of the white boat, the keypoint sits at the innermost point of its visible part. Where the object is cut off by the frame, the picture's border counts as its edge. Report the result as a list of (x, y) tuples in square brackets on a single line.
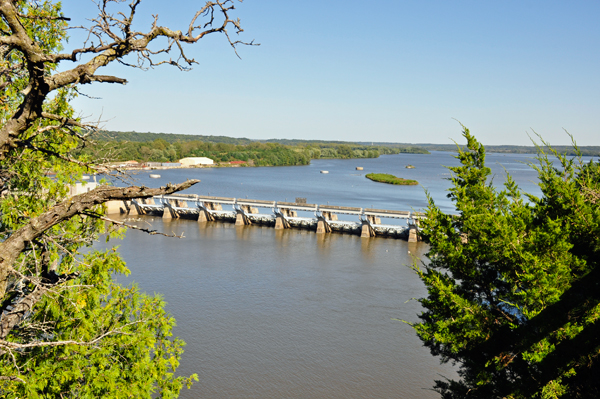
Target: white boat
[(153, 176), (324, 171)]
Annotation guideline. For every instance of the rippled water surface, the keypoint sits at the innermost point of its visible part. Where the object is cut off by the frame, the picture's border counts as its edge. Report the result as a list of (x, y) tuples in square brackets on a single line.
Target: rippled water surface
[(293, 314)]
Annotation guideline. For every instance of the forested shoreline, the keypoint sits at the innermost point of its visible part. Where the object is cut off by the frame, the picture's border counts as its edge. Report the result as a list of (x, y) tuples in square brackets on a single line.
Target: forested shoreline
[(161, 147)]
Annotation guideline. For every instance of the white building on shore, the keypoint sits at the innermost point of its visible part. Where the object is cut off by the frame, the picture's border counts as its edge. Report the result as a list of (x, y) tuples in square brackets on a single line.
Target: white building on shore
[(195, 161), (82, 187)]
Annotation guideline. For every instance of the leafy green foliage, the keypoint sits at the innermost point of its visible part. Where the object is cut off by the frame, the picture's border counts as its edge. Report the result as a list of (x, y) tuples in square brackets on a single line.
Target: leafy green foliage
[(390, 179), (88, 336), (48, 33), (136, 356), (513, 294)]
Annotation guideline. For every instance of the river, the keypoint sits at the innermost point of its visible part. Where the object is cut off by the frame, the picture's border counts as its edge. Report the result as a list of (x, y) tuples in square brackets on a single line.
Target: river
[(293, 314)]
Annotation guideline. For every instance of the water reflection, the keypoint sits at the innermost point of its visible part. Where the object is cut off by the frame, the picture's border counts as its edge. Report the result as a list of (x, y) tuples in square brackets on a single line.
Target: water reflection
[(287, 313), (242, 233), (417, 249)]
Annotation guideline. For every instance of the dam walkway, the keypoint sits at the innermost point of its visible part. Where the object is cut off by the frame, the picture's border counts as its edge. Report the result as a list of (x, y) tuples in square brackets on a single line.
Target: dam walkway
[(281, 215)]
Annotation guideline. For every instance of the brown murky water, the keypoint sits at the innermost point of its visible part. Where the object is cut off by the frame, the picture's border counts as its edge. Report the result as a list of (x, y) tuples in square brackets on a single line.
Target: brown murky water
[(288, 314)]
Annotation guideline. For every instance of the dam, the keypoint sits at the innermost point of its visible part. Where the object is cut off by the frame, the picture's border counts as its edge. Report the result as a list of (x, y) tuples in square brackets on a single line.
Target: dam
[(322, 219)]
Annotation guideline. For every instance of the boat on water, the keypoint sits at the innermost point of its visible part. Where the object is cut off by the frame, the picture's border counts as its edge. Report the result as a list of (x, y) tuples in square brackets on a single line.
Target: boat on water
[(409, 167), (154, 176), (324, 171)]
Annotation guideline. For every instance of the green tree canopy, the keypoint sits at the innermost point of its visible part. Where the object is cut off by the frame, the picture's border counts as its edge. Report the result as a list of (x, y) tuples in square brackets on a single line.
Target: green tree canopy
[(513, 281), (66, 328)]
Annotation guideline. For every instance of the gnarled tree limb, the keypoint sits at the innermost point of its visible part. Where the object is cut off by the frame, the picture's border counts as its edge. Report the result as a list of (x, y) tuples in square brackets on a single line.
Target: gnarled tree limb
[(12, 247), (117, 40)]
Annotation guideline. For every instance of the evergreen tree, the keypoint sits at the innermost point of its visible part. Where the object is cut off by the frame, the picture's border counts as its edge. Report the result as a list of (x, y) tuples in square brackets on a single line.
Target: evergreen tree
[(513, 281)]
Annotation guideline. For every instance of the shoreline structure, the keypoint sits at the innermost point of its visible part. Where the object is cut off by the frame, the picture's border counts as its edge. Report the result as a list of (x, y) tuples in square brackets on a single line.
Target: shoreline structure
[(282, 215)]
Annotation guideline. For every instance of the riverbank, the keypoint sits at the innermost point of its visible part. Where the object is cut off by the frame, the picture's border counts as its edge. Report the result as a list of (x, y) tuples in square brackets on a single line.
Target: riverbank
[(170, 148)]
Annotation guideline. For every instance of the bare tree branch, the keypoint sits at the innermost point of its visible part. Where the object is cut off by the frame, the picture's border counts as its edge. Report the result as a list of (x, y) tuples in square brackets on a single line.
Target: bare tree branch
[(70, 122), (131, 226), (116, 40), (36, 94), (15, 244), (46, 17), (13, 317), (15, 345), (11, 378)]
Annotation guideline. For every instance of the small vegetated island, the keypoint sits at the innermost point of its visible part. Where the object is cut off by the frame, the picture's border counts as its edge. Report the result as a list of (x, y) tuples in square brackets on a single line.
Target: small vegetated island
[(390, 179)]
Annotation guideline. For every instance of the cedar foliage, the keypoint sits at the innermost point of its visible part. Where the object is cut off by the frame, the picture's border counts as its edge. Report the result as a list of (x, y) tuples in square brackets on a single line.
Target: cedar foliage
[(513, 284)]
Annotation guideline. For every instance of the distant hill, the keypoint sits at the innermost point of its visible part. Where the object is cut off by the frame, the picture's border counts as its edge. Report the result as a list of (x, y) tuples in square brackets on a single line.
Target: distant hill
[(171, 138), (327, 146), (512, 149), (106, 135)]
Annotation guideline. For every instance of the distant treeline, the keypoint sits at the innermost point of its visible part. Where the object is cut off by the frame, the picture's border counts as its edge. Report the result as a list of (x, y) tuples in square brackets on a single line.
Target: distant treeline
[(161, 147), (105, 135), (509, 149), (383, 148), (422, 148), (159, 150)]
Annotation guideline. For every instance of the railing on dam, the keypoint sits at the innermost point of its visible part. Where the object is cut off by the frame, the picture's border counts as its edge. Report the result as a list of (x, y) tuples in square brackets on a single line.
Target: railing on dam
[(281, 215)]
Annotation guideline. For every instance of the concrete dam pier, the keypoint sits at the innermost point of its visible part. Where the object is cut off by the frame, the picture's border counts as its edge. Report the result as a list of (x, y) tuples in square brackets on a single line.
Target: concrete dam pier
[(322, 219)]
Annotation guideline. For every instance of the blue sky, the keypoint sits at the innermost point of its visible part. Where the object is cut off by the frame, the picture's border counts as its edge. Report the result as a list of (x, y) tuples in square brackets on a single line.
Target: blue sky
[(396, 71)]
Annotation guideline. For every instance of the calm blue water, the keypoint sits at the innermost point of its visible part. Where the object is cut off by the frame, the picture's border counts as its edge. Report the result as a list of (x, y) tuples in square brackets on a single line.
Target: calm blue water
[(344, 185)]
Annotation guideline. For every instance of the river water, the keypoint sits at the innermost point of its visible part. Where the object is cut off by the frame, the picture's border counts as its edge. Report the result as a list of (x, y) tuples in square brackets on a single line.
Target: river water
[(293, 314)]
